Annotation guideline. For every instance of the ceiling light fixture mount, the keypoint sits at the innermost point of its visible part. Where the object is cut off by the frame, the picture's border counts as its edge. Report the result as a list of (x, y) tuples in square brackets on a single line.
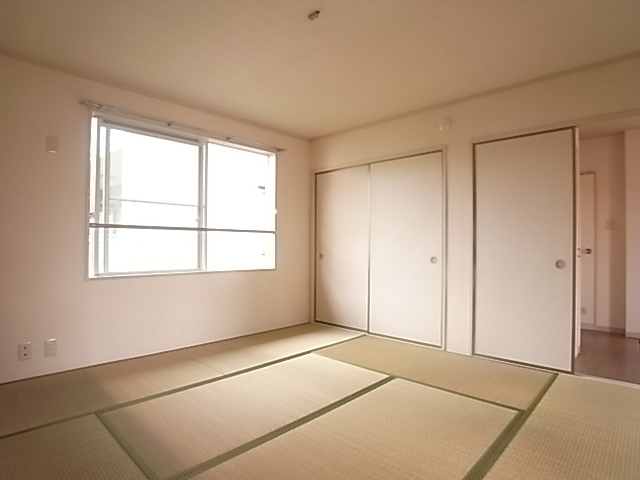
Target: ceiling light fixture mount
[(444, 124), (314, 15)]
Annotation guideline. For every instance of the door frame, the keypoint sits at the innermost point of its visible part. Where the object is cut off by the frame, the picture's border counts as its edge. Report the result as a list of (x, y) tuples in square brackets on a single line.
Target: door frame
[(594, 244)]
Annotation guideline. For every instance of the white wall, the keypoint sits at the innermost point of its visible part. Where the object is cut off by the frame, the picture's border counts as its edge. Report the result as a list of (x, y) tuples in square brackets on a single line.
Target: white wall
[(571, 99), (43, 289), (604, 157), (632, 165)]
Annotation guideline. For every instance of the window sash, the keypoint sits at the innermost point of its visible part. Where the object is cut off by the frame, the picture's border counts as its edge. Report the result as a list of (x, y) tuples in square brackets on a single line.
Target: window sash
[(99, 220)]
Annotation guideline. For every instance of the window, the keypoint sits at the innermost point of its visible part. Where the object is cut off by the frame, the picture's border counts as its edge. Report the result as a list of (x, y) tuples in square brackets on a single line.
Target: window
[(166, 203)]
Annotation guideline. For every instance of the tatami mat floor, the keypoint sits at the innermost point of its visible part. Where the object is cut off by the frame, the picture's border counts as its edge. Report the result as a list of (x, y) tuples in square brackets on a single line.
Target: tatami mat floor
[(317, 402)]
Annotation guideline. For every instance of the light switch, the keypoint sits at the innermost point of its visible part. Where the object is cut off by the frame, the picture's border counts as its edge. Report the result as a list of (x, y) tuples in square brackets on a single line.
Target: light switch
[(52, 144)]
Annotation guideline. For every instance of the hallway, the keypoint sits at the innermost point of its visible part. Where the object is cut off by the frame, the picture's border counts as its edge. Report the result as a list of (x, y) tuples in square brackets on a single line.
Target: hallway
[(609, 355)]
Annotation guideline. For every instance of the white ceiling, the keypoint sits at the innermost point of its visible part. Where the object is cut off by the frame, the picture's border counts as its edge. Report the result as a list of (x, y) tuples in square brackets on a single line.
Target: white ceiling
[(361, 61)]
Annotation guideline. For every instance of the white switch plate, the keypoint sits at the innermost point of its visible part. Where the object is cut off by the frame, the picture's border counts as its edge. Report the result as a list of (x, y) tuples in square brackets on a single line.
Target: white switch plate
[(50, 347), (53, 143), (24, 351)]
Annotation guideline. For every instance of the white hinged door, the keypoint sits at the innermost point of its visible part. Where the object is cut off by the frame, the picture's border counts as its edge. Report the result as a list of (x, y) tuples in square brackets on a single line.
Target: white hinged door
[(525, 248)]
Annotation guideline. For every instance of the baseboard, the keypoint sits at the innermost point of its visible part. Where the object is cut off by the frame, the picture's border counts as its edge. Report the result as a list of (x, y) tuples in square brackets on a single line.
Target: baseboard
[(599, 328), (633, 335)]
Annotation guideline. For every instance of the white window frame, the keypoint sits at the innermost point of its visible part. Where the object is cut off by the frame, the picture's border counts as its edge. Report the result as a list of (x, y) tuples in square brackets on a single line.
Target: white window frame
[(98, 195)]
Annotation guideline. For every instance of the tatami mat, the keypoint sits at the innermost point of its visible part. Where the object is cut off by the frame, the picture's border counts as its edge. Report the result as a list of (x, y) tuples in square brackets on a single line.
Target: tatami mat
[(29, 403), (245, 352), (582, 430), (179, 431), (400, 430), (271, 422), (486, 379), (52, 398), (141, 377), (79, 449)]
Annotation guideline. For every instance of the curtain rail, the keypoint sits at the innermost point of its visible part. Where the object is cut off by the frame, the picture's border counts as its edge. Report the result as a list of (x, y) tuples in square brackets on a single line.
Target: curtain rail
[(187, 229), (99, 107)]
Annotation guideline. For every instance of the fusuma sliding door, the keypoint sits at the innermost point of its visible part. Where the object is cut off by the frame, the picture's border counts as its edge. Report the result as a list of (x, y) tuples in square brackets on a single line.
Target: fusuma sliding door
[(379, 247), (406, 248), (525, 248), (342, 247)]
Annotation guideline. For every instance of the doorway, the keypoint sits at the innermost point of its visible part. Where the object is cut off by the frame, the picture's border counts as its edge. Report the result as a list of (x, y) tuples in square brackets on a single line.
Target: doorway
[(606, 350), (588, 252)]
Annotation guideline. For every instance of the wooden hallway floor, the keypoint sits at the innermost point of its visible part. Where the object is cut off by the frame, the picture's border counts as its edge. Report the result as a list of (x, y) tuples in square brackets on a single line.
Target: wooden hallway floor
[(609, 355)]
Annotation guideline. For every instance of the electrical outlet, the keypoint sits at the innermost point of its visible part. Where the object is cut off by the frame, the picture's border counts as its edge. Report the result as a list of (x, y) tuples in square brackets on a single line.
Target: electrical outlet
[(24, 351), (50, 347)]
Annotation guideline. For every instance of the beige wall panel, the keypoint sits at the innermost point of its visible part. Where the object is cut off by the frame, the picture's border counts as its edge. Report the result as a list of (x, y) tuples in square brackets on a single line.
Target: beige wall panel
[(44, 292), (604, 156), (632, 168)]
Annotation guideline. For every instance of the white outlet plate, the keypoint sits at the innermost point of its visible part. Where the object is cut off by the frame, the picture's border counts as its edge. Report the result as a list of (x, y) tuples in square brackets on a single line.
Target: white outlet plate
[(50, 347), (24, 351)]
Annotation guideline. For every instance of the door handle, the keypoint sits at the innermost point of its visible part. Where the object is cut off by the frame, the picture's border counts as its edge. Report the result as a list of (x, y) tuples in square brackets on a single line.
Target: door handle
[(587, 251)]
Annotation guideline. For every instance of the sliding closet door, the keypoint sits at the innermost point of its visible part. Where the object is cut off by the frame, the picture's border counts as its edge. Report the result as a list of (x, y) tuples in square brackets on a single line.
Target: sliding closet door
[(342, 247), (406, 248), (524, 249)]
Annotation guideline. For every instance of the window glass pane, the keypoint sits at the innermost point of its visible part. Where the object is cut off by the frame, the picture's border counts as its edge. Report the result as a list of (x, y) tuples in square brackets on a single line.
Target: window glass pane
[(98, 236), (240, 251), (99, 213), (132, 212), (145, 250), (240, 189), (141, 179), (151, 171)]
